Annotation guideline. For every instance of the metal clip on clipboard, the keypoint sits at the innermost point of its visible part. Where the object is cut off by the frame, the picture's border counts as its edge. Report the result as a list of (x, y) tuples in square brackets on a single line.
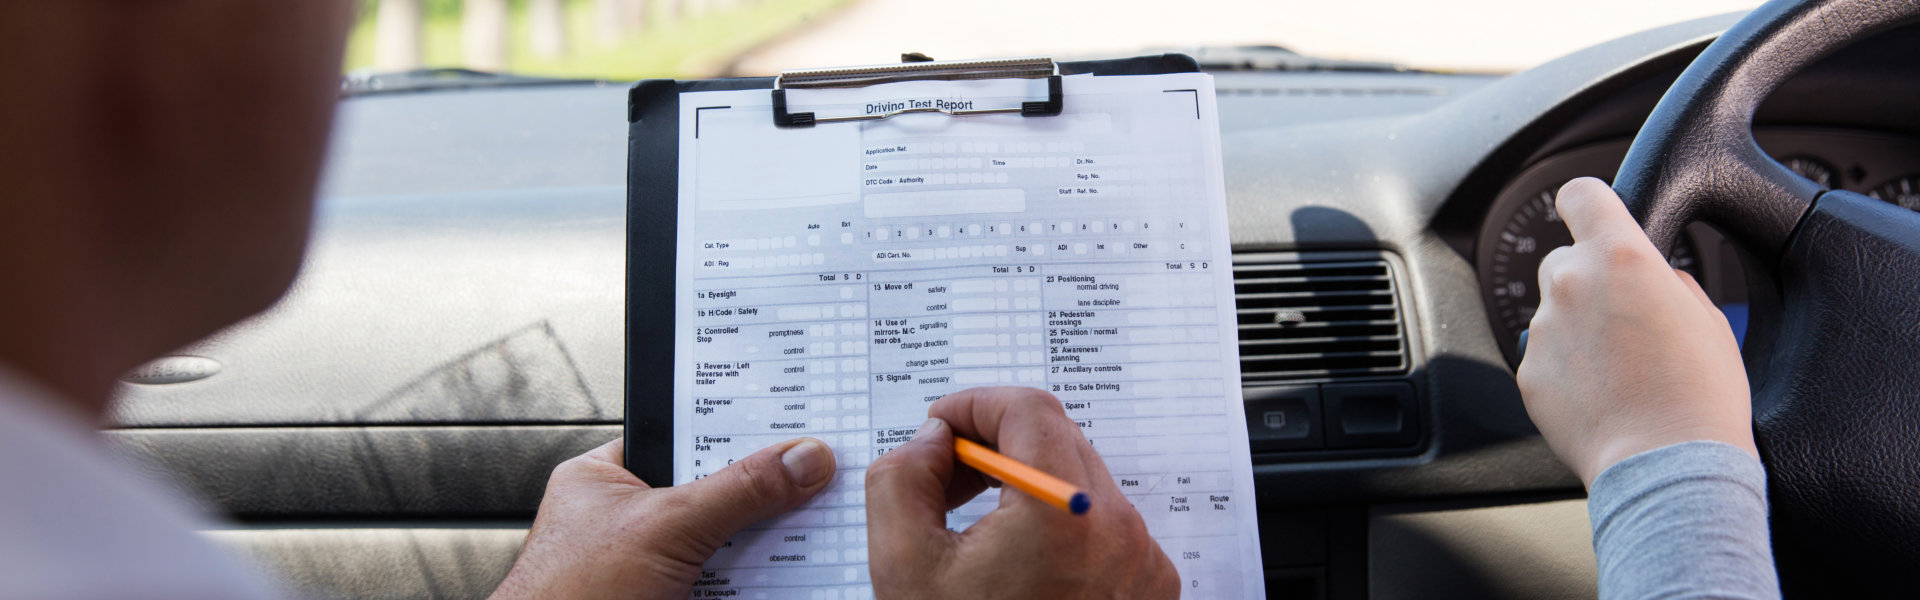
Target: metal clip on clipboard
[(947, 70)]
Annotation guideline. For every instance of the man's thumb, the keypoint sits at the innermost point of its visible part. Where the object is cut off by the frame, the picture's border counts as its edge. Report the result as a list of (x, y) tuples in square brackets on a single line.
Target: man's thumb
[(763, 485)]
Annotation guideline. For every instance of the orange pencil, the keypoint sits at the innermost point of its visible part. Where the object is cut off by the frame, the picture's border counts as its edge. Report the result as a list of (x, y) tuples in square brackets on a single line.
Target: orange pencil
[(1047, 488)]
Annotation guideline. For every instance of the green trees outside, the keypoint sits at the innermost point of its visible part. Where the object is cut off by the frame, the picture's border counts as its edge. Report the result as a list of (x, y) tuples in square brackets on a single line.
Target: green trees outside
[(609, 39)]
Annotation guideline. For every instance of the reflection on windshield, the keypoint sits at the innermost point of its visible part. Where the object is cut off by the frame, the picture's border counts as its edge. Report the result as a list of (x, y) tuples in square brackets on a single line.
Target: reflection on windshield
[(632, 39)]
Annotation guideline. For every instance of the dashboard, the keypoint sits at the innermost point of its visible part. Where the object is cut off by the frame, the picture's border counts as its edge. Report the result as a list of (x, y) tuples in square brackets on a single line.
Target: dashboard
[(459, 326), (1521, 225)]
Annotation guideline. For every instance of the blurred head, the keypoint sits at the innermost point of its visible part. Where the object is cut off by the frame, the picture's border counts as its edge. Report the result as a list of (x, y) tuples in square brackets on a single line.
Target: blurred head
[(158, 160)]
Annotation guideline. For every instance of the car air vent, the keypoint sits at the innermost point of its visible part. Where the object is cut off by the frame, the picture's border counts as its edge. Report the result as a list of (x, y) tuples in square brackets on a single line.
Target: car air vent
[(1317, 320)]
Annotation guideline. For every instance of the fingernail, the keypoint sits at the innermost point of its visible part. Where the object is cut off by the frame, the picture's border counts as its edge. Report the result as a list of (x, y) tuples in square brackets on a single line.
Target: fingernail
[(807, 462), (932, 425)]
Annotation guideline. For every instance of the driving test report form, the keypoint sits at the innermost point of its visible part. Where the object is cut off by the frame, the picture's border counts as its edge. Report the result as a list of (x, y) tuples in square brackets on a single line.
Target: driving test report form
[(835, 280)]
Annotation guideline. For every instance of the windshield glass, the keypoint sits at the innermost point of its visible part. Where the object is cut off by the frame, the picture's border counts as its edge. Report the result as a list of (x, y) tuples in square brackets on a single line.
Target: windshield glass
[(633, 39)]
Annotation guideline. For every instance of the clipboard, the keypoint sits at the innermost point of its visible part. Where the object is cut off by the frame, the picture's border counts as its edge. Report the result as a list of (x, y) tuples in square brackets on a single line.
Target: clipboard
[(653, 168)]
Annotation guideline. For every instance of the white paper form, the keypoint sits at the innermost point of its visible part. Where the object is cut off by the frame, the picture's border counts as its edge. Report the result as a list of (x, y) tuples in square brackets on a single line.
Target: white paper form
[(833, 281)]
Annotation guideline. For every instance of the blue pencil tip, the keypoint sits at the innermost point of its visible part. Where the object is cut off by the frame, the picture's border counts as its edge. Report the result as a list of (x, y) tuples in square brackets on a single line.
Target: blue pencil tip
[(1080, 503)]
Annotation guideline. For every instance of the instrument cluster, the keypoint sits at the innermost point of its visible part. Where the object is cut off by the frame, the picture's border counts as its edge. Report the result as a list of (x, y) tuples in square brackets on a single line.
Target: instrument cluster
[(1522, 226)]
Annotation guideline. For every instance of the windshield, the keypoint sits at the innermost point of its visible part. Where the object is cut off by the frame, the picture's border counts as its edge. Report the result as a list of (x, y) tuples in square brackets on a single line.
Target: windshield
[(634, 39)]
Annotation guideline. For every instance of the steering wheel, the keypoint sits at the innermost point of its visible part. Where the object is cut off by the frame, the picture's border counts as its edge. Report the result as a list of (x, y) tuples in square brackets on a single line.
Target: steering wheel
[(1833, 355)]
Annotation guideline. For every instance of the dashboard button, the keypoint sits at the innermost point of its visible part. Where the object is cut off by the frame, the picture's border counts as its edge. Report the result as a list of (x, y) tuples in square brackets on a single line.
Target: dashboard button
[(1284, 418), (1370, 415)]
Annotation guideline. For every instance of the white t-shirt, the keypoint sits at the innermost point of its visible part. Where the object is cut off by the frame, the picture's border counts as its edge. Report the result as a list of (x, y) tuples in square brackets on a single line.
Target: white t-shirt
[(77, 523)]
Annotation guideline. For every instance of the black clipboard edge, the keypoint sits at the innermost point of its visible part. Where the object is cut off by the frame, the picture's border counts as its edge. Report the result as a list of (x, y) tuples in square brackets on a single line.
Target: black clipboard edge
[(653, 192), (653, 195)]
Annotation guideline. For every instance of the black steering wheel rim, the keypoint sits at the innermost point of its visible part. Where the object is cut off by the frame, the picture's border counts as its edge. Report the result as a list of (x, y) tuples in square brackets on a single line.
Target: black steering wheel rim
[(1837, 385)]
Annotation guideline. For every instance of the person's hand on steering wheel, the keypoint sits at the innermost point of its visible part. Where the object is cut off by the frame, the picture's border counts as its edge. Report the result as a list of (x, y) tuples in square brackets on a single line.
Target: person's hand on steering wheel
[(1626, 354)]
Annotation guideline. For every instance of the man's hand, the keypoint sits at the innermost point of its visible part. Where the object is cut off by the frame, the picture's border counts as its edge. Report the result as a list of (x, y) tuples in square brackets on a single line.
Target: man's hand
[(1024, 548), (1626, 354), (602, 533)]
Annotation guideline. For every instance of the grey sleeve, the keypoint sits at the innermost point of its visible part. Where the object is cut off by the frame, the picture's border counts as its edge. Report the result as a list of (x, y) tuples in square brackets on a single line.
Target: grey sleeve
[(1683, 521)]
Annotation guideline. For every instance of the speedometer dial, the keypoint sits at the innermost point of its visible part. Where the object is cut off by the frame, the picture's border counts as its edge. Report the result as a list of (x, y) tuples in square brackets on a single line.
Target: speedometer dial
[(1510, 266), (1811, 168), (1904, 192), (1521, 227)]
